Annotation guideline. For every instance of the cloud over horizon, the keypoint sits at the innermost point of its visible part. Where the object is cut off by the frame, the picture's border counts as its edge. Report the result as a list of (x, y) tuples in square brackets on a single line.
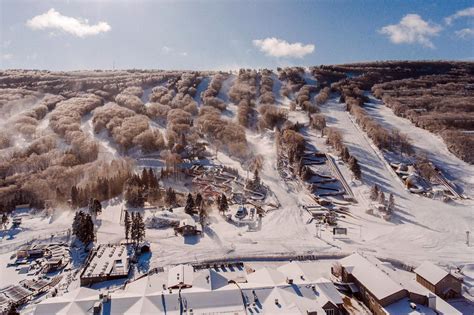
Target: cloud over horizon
[(468, 12), (276, 47), (412, 29), (79, 27), (465, 33)]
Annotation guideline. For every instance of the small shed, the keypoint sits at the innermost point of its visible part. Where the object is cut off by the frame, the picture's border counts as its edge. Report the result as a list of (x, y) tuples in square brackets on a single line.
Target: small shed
[(187, 228), (438, 280)]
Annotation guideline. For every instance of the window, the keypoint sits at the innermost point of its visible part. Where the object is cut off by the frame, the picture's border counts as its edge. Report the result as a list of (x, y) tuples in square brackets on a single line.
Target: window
[(330, 311)]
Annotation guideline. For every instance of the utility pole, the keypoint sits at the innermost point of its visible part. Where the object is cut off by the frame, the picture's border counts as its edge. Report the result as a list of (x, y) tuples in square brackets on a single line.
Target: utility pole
[(467, 238)]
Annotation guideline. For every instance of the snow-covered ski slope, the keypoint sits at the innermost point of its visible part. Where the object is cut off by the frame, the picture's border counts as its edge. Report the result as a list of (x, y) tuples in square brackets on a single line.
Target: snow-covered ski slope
[(423, 229), (426, 143)]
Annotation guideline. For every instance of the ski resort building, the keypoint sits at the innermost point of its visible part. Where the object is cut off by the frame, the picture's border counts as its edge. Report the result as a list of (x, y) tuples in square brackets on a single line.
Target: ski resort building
[(386, 290), (107, 262), (187, 228), (438, 281), (225, 289), (376, 289)]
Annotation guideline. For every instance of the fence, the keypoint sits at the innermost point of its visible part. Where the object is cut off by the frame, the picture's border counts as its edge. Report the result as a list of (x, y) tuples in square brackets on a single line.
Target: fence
[(268, 257)]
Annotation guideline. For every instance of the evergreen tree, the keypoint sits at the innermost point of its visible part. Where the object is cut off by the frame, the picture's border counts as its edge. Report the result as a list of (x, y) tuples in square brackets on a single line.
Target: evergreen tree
[(134, 196), (374, 192), (133, 228), (170, 197), (141, 228), (83, 227), (152, 178), (391, 203), (223, 206), (4, 220), (137, 229), (76, 222), (88, 230), (256, 178), (354, 167), (203, 216), (95, 206), (128, 224), (189, 208), (381, 197), (144, 179), (345, 154), (198, 201), (12, 310)]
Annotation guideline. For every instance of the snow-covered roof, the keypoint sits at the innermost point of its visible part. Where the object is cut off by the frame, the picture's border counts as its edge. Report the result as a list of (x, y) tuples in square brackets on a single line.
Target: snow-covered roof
[(79, 301), (327, 292), (286, 299), (402, 307), (370, 276), (215, 302), (209, 279), (189, 222), (431, 272), (266, 277), (108, 259), (181, 275), (293, 271), (204, 291)]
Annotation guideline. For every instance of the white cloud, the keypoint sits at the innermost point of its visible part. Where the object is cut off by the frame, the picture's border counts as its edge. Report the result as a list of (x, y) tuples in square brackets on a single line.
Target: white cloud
[(462, 13), (54, 20), (280, 48), (184, 54), (410, 30), (465, 33)]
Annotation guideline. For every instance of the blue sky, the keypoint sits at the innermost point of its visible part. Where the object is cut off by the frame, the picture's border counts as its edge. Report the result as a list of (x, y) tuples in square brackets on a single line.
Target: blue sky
[(68, 35)]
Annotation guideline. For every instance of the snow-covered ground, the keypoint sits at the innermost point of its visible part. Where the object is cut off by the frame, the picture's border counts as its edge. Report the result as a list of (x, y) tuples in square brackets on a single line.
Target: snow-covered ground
[(202, 86), (107, 150), (35, 228)]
